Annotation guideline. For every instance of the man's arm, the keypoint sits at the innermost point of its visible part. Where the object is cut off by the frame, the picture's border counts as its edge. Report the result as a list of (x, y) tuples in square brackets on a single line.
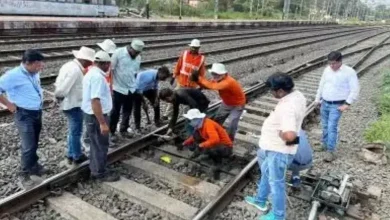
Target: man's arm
[(320, 88), (11, 106), (97, 111), (4, 86), (213, 85), (354, 87), (288, 128), (63, 88), (175, 115)]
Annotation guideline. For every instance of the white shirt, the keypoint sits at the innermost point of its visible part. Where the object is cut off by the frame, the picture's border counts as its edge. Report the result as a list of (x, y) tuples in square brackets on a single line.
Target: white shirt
[(339, 85), (95, 86), (287, 116), (69, 84), (124, 69)]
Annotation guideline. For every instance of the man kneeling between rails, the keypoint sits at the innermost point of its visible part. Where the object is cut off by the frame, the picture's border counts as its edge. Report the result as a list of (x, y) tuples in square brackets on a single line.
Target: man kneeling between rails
[(208, 138)]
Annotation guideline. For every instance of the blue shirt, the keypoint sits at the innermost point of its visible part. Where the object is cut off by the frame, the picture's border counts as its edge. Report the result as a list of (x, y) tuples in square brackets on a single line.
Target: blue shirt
[(22, 88), (95, 86), (304, 153), (339, 85), (147, 80), (124, 69)]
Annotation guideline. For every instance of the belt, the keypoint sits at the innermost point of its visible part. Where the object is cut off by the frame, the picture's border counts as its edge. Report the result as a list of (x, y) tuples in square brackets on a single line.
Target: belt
[(299, 164), (335, 102), (28, 110)]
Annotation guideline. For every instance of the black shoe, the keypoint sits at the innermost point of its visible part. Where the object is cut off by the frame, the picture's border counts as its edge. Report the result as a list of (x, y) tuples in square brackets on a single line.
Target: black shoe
[(106, 178), (25, 181), (81, 159), (38, 170), (214, 172), (70, 160)]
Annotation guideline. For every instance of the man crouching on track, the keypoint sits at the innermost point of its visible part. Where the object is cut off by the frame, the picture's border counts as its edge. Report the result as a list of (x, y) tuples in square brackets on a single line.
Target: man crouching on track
[(209, 138), (147, 86), (278, 145), (231, 92), (97, 104)]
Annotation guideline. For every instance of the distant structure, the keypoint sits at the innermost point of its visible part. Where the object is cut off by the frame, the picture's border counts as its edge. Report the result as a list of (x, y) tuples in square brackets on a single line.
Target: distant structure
[(77, 8)]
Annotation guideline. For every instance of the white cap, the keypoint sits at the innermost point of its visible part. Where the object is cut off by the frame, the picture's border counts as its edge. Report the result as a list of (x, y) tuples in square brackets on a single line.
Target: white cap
[(137, 45), (85, 53), (195, 43), (218, 68), (108, 46), (194, 113), (102, 56)]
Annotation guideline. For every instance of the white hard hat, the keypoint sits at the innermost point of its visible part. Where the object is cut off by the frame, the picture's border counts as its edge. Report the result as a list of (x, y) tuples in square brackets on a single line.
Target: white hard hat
[(137, 45), (85, 53), (195, 43), (194, 113), (102, 56), (218, 68), (108, 46)]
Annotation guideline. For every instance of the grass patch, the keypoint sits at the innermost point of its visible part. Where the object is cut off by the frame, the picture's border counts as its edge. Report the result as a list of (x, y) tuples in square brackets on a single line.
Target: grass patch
[(379, 131)]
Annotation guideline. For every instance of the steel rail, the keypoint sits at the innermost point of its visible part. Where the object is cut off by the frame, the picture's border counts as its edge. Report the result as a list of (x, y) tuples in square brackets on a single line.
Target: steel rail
[(233, 186), (133, 35), (64, 36), (243, 36), (23, 199), (45, 80), (48, 79)]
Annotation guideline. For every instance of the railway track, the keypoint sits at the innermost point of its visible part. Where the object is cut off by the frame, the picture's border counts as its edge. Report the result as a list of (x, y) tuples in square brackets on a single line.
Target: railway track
[(11, 57), (28, 39), (142, 155), (49, 79)]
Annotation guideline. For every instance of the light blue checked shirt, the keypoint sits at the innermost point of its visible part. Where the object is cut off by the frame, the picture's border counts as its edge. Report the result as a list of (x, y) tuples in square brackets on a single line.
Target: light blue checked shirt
[(22, 88), (339, 85), (124, 70)]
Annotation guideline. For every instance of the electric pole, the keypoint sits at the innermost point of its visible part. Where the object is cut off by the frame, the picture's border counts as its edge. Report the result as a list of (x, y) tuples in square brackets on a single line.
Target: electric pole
[(216, 3), (147, 9), (180, 5)]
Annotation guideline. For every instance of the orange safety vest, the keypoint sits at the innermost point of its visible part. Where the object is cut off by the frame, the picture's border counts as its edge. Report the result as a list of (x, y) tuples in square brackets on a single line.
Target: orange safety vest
[(189, 64)]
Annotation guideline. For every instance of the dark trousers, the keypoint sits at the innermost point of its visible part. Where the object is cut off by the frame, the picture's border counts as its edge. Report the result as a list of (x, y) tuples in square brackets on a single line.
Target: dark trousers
[(124, 102), (151, 96), (98, 146), (216, 153), (29, 125)]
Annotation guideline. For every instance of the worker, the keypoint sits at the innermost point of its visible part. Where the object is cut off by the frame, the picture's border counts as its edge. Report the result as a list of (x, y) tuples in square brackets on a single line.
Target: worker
[(126, 63), (278, 145), (109, 47), (68, 90), (193, 98), (96, 105), (338, 89), (24, 98), (303, 159), (147, 86), (189, 61), (231, 93), (208, 138)]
